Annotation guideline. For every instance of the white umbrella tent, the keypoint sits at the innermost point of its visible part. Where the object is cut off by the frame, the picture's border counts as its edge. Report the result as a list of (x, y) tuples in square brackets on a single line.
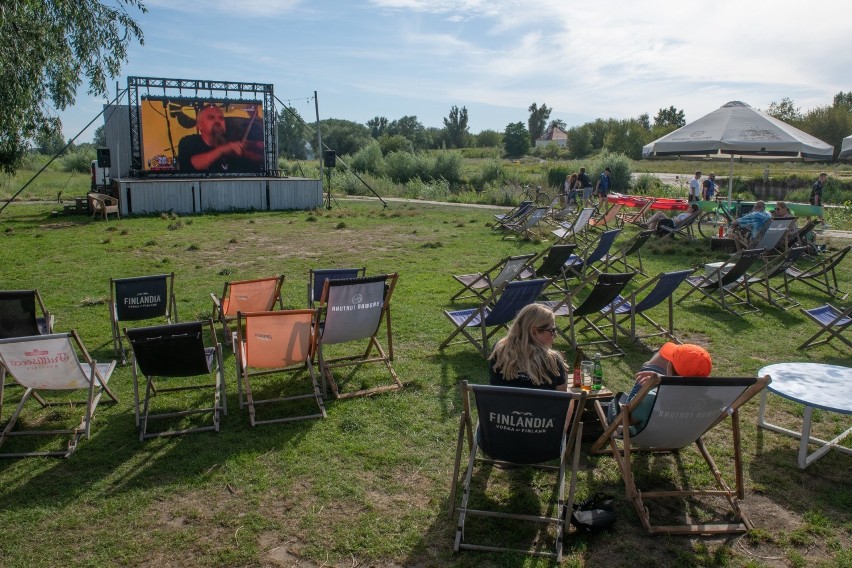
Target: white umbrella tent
[(846, 149), (738, 130)]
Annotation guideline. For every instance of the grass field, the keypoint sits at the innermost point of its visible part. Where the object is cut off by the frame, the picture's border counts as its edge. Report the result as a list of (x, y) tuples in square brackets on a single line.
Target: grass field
[(368, 486)]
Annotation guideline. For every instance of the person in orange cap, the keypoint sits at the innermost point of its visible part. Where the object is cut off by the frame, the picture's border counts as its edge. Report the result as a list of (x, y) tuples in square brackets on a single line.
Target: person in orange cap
[(686, 360)]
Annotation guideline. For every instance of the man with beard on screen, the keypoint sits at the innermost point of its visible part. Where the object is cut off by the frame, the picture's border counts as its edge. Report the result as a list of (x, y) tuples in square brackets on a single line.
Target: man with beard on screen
[(211, 151)]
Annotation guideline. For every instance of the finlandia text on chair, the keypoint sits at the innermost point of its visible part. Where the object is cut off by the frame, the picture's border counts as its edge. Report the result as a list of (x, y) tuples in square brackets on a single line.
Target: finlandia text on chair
[(50, 368), (271, 346), (682, 411), (528, 428), (176, 355), (137, 299), (352, 311), (259, 295)]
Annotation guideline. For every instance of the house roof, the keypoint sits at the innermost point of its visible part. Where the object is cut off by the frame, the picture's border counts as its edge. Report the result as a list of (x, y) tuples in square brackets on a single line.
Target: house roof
[(554, 133)]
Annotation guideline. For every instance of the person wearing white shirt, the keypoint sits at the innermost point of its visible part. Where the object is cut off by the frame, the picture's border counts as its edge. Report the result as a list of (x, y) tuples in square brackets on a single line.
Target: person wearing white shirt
[(695, 188)]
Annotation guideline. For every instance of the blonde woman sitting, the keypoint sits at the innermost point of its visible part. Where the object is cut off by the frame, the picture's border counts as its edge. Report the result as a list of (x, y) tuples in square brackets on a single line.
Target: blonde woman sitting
[(525, 357)]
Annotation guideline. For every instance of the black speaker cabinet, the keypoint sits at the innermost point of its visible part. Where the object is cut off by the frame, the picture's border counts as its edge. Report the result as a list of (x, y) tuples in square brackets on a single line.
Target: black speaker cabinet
[(330, 159), (103, 158)]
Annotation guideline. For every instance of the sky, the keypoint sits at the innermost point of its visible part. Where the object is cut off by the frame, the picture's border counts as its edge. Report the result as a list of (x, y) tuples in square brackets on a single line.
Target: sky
[(583, 59)]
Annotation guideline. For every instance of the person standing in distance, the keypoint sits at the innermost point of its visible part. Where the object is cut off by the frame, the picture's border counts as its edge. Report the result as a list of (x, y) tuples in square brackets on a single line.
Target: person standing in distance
[(586, 183), (816, 193), (695, 188), (603, 187)]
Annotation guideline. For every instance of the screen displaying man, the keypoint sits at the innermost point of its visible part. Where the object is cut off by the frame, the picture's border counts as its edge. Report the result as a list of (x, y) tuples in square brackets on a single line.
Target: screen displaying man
[(214, 149)]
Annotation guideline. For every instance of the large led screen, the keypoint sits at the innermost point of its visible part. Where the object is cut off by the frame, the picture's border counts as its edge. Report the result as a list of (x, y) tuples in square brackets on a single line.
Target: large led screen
[(188, 136)]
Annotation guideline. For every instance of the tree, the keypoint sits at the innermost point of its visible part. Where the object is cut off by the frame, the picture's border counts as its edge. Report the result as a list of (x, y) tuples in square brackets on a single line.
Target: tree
[(49, 143), (412, 129), (46, 48), (557, 123), (292, 135), (455, 127), (343, 136), (516, 140), (828, 123), (671, 118), (645, 121), (579, 142), (842, 99), (377, 126), (538, 120), (488, 139), (395, 143), (786, 110), (626, 137), (99, 137)]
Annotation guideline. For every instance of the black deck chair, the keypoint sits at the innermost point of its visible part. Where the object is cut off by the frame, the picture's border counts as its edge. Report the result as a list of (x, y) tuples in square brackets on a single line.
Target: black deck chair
[(821, 276), (627, 249), (606, 289), (138, 299), (660, 288), (22, 313), (523, 428), (723, 282), (512, 215), (176, 352), (683, 229), (577, 265), (318, 276), (552, 264), (761, 280)]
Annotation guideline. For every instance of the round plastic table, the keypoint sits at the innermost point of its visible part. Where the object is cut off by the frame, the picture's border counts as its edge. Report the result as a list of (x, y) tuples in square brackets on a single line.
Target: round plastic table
[(815, 385)]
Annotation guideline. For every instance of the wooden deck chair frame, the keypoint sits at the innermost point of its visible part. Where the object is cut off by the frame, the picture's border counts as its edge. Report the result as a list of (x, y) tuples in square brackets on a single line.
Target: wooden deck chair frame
[(512, 215), (573, 231), (279, 343), (595, 252), (557, 439), (659, 289), (363, 325), (821, 275), (140, 298), (19, 317), (672, 427), (524, 228), (49, 363), (607, 288), (607, 218), (168, 352), (684, 228), (636, 217), (832, 321), (317, 277), (760, 281), (722, 284), (627, 249), (258, 295), (482, 285), (495, 313)]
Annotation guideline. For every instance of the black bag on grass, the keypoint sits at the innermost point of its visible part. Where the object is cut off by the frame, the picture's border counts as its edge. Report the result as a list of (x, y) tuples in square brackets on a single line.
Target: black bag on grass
[(594, 514)]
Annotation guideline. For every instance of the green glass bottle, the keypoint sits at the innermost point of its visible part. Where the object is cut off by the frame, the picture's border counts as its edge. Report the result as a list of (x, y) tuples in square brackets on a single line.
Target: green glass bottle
[(597, 376)]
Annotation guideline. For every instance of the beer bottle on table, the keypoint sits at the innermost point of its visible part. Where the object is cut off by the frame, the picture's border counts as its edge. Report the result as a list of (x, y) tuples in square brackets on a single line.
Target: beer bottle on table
[(597, 376), (578, 373)]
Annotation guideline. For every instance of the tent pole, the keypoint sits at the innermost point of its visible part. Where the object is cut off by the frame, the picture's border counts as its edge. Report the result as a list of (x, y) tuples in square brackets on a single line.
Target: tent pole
[(731, 182)]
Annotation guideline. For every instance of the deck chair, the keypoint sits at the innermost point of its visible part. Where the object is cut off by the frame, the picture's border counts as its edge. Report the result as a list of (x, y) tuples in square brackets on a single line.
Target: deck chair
[(578, 264), (352, 310), (761, 280), (607, 218), (517, 427), (276, 343), (512, 215), (317, 278), (683, 229), (627, 249), (48, 367), (525, 228), (481, 285), (821, 275), (832, 321), (478, 325), (769, 236), (606, 289), (722, 284), (571, 232), (259, 295), (657, 290), (683, 411), (140, 298), (176, 351), (636, 215), (552, 265), (22, 313)]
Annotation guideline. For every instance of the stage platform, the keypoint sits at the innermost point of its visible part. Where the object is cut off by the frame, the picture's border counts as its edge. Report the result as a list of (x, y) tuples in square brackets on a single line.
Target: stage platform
[(138, 196)]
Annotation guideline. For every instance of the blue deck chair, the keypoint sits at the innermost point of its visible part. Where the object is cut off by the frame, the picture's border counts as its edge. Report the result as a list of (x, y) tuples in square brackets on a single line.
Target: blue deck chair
[(627, 249), (577, 265), (722, 284), (662, 288), (317, 278), (682, 411), (481, 285), (573, 231), (832, 321), (606, 289), (526, 428), (494, 314), (513, 215)]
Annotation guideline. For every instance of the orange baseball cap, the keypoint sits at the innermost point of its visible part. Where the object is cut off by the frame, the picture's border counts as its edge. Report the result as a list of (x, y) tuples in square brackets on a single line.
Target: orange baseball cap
[(688, 360)]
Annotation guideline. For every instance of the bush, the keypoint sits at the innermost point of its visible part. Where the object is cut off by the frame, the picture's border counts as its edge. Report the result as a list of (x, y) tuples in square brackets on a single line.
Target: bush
[(648, 184), (403, 166), (78, 161), (369, 159), (621, 170), (447, 166)]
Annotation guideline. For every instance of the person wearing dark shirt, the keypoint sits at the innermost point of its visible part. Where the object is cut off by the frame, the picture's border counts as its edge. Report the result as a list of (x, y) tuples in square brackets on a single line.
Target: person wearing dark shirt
[(604, 185), (210, 150), (525, 357), (816, 192)]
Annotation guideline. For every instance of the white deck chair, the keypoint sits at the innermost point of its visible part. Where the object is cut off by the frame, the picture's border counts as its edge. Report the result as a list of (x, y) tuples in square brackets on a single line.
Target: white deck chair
[(45, 365)]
